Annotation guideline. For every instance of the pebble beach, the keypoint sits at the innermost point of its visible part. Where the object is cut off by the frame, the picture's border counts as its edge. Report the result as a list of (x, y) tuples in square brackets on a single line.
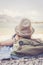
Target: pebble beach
[(22, 61)]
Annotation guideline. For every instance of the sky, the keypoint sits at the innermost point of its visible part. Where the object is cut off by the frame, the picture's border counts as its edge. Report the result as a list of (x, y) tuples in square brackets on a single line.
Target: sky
[(32, 9)]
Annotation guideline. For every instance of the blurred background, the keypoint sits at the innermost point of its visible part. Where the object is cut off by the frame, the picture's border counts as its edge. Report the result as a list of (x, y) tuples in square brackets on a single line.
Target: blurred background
[(11, 13)]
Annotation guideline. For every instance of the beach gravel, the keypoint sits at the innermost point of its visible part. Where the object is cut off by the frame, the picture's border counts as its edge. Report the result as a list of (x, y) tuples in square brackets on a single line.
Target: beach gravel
[(22, 61)]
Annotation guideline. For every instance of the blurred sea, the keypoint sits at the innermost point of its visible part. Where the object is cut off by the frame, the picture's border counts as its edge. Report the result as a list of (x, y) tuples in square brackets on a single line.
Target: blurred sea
[(7, 30)]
